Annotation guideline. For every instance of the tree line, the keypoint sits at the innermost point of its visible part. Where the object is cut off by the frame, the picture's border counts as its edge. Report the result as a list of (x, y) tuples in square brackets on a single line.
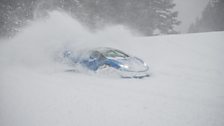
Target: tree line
[(148, 17), (212, 18)]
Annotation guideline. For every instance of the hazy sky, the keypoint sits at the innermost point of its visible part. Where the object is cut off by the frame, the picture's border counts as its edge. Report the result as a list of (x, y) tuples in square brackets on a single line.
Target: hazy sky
[(188, 11)]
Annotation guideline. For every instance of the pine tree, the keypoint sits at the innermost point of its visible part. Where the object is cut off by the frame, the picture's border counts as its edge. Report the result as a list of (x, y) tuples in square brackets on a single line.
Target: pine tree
[(212, 18), (144, 16)]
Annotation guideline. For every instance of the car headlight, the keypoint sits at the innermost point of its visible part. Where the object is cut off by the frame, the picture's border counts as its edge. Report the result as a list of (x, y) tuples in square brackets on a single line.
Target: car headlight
[(124, 66), (145, 64)]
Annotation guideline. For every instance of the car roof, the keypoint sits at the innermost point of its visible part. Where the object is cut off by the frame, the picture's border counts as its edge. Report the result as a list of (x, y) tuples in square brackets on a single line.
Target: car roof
[(104, 50)]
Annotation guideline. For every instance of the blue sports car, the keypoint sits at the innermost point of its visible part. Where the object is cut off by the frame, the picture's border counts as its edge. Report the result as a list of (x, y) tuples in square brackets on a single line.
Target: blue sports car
[(99, 59)]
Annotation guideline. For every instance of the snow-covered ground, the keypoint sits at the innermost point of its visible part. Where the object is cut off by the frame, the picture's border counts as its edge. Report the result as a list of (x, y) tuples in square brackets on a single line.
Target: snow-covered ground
[(186, 86)]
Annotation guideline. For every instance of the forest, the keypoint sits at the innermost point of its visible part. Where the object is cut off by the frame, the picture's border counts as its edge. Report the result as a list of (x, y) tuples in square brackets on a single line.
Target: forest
[(147, 17)]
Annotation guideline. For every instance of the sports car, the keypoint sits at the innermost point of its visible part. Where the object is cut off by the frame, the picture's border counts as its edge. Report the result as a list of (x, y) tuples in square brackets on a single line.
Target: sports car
[(109, 59)]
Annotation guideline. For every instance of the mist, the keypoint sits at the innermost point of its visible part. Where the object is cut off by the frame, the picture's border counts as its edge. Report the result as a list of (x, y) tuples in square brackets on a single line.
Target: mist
[(42, 41)]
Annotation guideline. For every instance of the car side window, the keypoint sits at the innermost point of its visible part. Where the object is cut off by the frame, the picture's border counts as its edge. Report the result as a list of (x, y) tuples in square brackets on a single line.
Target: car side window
[(116, 53), (96, 55)]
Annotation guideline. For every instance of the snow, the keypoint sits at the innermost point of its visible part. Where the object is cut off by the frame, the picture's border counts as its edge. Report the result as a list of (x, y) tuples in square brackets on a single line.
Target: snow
[(185, 87)]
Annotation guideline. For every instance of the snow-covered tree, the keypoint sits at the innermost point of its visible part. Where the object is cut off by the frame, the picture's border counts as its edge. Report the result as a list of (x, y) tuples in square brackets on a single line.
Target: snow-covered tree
[(144, 16), (212, 18)]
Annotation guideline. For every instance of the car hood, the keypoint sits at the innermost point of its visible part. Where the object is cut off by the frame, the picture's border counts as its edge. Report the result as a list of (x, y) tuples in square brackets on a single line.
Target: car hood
[(132, 64)]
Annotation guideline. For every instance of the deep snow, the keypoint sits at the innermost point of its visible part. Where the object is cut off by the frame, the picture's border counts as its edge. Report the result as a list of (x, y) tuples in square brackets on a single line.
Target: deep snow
[(185, 88)]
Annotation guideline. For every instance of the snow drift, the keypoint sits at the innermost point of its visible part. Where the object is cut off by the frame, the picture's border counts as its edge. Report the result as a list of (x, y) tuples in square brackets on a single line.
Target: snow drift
[(186, 86)]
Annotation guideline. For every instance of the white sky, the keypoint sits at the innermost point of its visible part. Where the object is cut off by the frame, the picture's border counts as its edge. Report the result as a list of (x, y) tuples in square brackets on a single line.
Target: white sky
[(188, 11)]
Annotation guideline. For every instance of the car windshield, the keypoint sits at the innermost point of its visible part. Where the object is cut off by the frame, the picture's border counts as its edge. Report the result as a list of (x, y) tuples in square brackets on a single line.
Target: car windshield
[(115, 53)]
